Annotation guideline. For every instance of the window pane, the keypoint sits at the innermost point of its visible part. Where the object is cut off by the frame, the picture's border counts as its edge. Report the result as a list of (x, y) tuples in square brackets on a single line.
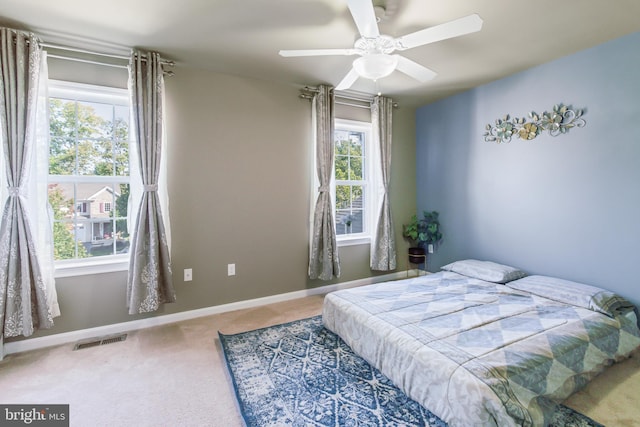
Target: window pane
[(82, 237), (95, 120), (63, 229), (62, 118), (121, 197), (101, 240), (103, 164), (343, 196), (342, 167), (85, 217), (61, 200), (121, 123), (341, 141), (356, 144), (62, 156), (121, 140), (356, 221), (357, 199), (121, 157), (87, 157), (355, 169), (349, 209), (342, 220), (349, 155), (122, 236), (95, 196), (67, 240), (349, 221), (97, 200), (120, 211)]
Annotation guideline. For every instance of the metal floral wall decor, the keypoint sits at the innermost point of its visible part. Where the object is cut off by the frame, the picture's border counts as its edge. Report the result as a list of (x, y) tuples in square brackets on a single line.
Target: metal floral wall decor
[(556, 122)]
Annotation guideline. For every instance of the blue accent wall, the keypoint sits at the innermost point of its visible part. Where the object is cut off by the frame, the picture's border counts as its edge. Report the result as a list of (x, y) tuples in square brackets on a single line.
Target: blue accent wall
[(565, 206)]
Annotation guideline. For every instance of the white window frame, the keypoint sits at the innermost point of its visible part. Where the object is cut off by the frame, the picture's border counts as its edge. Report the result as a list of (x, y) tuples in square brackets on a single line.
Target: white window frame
[(370, 199), (103, 94)]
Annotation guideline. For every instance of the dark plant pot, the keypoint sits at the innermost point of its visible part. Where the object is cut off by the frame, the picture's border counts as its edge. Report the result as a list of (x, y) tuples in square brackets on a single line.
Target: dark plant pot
[(417, 255)]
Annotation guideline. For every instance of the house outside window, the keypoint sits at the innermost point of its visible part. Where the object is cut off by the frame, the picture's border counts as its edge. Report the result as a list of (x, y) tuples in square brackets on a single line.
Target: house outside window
[(352, 186), (88, 181)]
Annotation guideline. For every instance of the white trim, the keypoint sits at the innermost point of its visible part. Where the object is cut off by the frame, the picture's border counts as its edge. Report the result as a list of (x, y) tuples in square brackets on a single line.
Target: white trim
[(370, 198), (94, 265), (353, 241), (116, 97), (73, 336), (90, 93)]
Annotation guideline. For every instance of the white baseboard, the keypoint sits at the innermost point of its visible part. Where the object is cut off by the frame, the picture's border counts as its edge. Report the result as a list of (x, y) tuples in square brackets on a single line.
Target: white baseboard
[(117, 328)]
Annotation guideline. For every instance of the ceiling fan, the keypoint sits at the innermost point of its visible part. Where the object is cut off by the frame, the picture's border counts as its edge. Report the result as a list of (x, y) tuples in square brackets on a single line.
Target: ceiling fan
[(376, 60)]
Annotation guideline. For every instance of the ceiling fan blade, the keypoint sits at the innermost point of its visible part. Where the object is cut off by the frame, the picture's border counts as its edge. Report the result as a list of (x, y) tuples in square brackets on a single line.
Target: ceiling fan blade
[(415, 70), (317, 52), (364, 17), (348, 80), (458, 27)]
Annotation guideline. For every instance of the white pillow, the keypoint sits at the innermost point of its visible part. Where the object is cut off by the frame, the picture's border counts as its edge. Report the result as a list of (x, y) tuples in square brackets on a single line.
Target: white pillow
[(574, 293), (485, 270)]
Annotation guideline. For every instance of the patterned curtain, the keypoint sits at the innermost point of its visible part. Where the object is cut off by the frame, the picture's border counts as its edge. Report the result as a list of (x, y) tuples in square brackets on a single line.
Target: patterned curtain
[(324, 263), (150, 282), (24, 306), (383, 246)]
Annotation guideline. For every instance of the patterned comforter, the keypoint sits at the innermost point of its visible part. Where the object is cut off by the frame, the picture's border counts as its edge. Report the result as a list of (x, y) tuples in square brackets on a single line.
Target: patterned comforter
[(475, 352)]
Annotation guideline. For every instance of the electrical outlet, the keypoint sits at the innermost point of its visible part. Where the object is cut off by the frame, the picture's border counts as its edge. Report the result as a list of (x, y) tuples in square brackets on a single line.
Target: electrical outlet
[(231, 269), (430, 249), (188, 274)]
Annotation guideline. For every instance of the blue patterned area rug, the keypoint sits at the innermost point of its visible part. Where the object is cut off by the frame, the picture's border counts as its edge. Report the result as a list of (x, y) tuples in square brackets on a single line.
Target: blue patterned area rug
[(301, 374)]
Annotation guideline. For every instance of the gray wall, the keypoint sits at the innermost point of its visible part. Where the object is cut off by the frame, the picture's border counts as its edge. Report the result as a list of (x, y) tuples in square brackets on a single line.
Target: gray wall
[(239, 183), (567, 206)]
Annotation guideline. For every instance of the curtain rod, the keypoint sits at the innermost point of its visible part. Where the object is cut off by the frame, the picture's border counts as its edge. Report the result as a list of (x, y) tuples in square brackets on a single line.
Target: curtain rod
[(349, 104), (105, 64), (90, 52), (107, 55), (306, 92), (86, 61)]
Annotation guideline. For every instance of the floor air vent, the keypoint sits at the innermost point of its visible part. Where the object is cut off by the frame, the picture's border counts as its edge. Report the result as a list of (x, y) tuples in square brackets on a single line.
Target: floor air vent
[(94, 342)]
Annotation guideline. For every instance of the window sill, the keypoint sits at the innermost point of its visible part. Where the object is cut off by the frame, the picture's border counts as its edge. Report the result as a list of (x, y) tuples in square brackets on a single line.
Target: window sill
[(354, 241), (111, 265)]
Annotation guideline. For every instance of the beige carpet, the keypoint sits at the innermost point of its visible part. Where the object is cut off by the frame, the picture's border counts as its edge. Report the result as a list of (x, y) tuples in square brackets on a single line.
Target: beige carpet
[(175, 375)]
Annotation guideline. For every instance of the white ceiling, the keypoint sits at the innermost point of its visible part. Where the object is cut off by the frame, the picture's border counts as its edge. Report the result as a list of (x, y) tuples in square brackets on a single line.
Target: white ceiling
[(243, 37)]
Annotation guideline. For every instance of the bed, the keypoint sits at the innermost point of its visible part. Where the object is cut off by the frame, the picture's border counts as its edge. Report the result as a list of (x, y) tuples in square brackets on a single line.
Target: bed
[(483, 344)]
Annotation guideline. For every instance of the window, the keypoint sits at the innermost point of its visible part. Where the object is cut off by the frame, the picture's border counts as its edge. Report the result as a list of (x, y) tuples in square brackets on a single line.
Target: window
[(352, 189), (88, 183)]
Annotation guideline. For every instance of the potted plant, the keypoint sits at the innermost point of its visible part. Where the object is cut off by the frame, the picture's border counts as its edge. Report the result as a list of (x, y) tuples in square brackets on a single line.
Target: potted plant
[(433, 235), (420, 233)]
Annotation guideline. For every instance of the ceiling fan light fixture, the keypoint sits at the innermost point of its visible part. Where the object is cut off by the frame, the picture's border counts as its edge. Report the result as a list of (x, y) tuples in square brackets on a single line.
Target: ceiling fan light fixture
[(375, 66)]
